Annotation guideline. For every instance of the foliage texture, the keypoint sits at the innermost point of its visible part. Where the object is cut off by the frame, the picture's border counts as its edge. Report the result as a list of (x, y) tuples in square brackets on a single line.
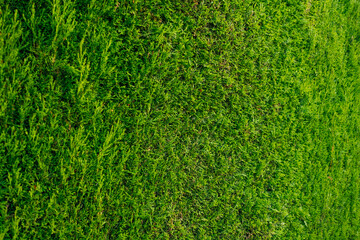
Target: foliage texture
[(163, 119)]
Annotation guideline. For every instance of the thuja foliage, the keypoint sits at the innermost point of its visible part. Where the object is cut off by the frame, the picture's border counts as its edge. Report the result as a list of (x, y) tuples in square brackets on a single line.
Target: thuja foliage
[(222, 119)]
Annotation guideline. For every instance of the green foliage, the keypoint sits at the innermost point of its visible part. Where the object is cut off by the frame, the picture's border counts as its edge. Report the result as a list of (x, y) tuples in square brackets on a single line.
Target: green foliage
[(222, 119)]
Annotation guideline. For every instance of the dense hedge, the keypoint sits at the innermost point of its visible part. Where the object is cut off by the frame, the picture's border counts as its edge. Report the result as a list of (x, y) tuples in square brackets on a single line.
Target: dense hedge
[(187, 119)]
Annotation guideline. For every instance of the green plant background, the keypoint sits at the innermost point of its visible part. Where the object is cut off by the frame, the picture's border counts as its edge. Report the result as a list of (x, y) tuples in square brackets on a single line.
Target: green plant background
[(162, 119)]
